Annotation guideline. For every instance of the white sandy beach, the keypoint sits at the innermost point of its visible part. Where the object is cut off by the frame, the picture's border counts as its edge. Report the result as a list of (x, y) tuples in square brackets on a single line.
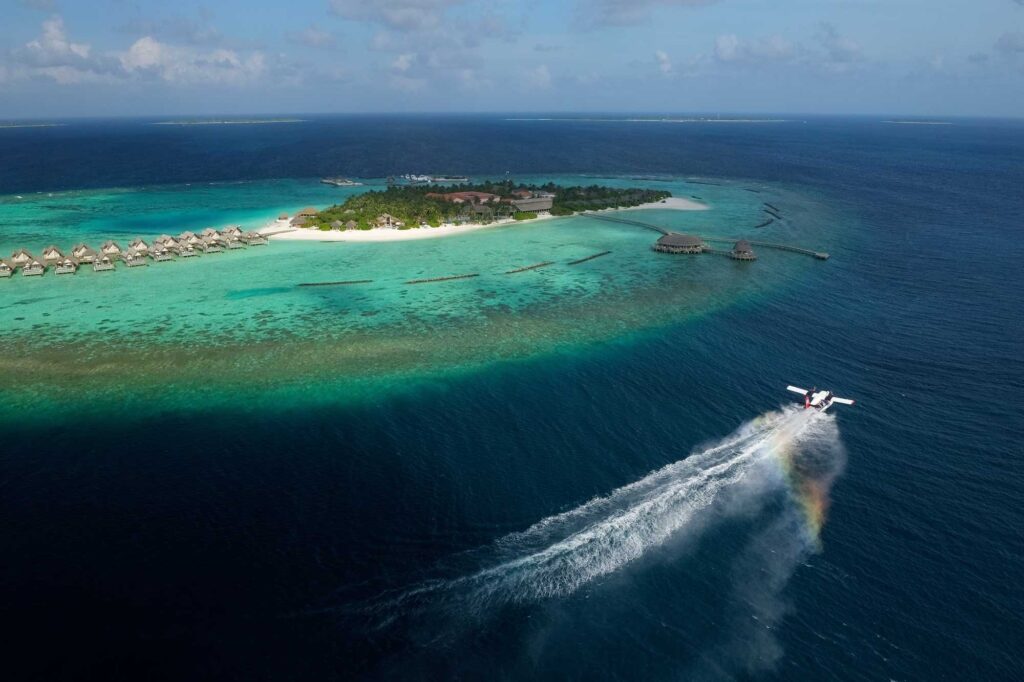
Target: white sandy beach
[(278, 231)]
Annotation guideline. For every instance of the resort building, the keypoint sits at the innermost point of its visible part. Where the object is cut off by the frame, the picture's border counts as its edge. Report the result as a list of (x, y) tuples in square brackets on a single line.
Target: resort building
[(465, 197), (254, 238), (83, 254), (337, 225), (6, 269), (133, 257), (21, 257), (299, 221), (110, 248), (66, 266), (102, 262), (33, 267), (140, 246), (160, 253), (388, 220), (534, 203), (351, 225), (189, 238), (742, 251), (51, 254), (231, 231), (673, 242), (210, 244), (307, 212)]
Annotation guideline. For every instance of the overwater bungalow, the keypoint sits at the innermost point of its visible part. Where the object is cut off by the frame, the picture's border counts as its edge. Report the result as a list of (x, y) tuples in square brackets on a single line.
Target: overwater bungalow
[(83, 254), (33, 267), (20, 257), (254, 238), (102, 262), (231, 231), (673, 242), (133, 258), (51, 254), (160, 253), (66, 266), (210, 233), (140, 246), (742, 251), (110, 248), (211, 245), (188, 237), (166, 240), (234, 241), (186, 250), (6, 269)]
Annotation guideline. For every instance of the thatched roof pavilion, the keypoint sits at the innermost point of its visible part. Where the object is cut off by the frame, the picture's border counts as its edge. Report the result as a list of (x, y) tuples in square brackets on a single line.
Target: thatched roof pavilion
[(337, 225), (6, 269), (66, 266), (674, 242), (351, 225), (83, 253), (51, 254), (21, 257), (743, 251), (33, 267), (139, 245), (111, 248), (307, 212)]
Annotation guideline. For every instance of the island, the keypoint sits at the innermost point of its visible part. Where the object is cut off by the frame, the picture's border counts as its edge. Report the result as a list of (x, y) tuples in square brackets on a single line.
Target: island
[(404, 207)]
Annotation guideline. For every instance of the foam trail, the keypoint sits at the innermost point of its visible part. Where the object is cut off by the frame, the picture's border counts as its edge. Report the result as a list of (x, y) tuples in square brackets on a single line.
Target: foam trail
[(562, 553)]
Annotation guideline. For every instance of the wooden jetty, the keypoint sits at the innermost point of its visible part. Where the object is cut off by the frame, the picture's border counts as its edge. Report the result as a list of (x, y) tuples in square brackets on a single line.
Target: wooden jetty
[(530, 267), (820, 255), (442, 279), (584, 260)]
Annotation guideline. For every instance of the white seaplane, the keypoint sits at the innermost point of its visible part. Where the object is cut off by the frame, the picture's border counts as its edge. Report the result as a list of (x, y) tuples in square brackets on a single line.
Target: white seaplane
[(819, 400)]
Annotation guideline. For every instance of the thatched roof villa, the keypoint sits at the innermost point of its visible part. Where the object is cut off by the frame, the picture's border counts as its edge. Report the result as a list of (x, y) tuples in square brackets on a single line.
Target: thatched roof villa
[(299, 221), (337, 225), (33, 267), (66, 266), (51, 254), (111, 248), (254, 238), (83, 254), (102, 262), (742, 251), (21, 257), (133, 257), (139, 245), (6, 269), (351, 225), (388, 220), (231, 231), (160, 253), (307, 212), (674, 242)]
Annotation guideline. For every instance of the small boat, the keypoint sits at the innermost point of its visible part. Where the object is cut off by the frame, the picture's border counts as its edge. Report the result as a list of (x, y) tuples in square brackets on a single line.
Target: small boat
[(340, 182)]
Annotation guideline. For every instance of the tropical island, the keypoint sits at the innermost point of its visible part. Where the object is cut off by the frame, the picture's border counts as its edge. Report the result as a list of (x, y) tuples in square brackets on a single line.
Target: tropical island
[(404, 207)]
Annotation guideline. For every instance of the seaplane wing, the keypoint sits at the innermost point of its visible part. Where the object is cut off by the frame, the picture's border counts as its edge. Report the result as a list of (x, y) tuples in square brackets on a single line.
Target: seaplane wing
[(843, 401), (796, 389)]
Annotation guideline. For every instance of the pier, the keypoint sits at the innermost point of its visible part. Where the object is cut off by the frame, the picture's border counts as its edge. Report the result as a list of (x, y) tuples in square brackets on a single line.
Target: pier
[(820, 255)]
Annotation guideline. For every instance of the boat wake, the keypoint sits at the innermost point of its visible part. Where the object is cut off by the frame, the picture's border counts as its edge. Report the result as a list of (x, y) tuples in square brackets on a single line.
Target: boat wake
[(793, 452)]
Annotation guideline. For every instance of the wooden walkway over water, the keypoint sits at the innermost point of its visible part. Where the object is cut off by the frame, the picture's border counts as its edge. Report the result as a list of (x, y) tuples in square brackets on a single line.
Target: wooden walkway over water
[(820, 255)]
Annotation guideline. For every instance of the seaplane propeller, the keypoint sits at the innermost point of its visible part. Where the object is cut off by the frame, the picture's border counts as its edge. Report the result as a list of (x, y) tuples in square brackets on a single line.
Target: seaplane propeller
[(819, 400)]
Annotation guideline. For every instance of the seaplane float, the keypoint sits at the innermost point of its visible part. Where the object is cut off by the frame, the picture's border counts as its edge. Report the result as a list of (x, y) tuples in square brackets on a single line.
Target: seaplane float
[(819, 400)]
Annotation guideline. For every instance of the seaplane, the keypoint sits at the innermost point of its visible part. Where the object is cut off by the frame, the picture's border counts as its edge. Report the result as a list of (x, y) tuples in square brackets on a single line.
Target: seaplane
[(819, 400)]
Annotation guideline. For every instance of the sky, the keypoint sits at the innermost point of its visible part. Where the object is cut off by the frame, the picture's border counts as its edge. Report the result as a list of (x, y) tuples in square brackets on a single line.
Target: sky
[(69, 58)]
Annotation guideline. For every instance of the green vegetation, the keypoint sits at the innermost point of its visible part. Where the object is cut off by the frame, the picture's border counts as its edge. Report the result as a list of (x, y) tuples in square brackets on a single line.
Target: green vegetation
[(412, 206)]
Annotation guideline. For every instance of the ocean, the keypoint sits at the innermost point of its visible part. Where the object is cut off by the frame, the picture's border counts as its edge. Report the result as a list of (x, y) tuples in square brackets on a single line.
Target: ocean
[(584, 471)]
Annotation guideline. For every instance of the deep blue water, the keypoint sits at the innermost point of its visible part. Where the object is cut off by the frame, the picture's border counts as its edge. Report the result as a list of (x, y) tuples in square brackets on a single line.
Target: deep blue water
[(314, 545)]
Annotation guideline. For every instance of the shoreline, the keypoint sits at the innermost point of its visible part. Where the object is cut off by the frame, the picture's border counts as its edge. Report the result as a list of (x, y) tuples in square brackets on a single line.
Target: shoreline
[(277, 231)]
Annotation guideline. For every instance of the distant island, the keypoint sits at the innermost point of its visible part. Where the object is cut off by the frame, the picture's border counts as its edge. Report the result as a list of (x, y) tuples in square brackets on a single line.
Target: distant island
[(408, 206), (224, 122), (31, 125)]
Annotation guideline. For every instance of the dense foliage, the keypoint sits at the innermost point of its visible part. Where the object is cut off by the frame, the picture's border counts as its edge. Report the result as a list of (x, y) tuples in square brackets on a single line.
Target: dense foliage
[(410, 204)]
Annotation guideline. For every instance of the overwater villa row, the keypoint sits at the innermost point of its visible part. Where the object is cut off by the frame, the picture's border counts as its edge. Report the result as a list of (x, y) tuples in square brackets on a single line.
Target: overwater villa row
[(164, 248)]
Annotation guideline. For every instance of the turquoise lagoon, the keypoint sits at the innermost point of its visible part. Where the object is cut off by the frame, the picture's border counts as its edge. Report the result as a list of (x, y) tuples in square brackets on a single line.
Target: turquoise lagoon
[(236, 329)]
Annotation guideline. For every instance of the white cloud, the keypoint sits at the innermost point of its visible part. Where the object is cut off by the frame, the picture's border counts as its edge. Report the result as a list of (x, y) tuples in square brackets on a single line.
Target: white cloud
[(664, 62), (626, 12), (397, 15), (53, 47), (188, 65), (538, 78), (403, 62)]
